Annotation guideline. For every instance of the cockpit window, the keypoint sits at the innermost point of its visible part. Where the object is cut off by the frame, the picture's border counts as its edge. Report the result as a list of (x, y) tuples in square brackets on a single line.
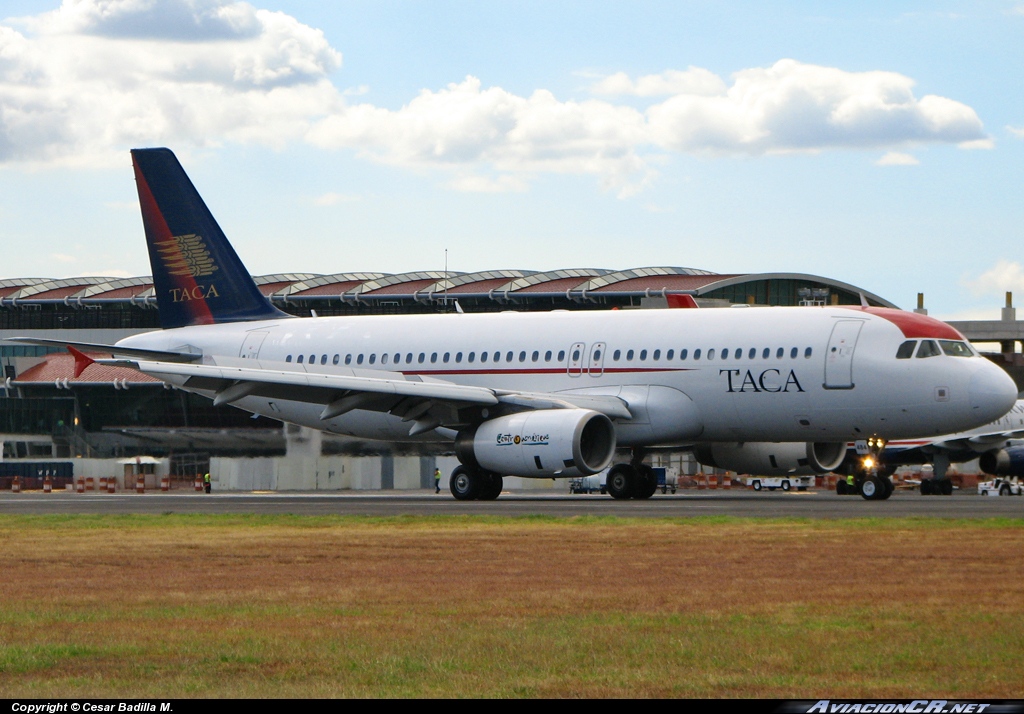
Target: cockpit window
[(906, 350), (928, 348), (955, 348)]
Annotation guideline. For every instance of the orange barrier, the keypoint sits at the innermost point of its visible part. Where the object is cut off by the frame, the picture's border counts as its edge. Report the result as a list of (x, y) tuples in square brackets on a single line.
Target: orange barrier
[(140, 484), (111, 484), (90, 484), (16, 485), (199, 484), (165, 483), (80, 485), (700, 478), (727, 482), (47, 485)]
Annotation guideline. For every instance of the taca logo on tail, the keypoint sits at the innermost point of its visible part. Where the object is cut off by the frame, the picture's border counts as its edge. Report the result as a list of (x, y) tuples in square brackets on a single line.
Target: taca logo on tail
[(197, 276)]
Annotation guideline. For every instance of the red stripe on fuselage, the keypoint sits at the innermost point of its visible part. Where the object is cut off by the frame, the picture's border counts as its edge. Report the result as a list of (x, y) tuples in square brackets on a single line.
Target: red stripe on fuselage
[(912, 324), (157, 229)]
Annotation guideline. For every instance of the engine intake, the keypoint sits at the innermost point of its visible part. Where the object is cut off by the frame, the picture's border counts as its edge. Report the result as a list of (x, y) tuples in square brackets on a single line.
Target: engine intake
[(773, 459), (1003, 462), (540, 444)]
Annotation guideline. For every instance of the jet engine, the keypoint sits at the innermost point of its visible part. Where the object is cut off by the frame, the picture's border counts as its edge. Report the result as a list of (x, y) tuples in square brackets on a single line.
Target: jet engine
[(773, 459), (540, 444), (1003, 462)]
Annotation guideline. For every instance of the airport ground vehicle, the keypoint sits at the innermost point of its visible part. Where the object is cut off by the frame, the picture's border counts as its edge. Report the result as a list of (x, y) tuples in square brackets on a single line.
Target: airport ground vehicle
[(1000, 486), (786, 483)]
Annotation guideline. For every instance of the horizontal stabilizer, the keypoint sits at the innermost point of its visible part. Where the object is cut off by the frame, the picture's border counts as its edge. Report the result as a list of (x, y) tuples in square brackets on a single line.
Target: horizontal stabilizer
[(160, 355)]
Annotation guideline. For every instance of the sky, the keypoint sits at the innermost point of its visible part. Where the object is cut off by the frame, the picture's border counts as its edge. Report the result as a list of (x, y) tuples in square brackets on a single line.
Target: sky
[(877, 143)]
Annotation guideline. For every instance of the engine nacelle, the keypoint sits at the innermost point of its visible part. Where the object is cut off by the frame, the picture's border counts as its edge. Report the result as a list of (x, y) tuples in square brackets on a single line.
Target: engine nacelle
[(541, 444), (773, 459), (1004, 462)]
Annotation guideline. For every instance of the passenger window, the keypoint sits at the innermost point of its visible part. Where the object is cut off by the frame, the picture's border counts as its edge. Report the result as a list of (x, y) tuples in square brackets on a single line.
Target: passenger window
[(408, 358), (497, 356), (348, 359), (508, 356), (458, 357), (629, 355), (483, 356), (807, 353), (561, 356), (615, 355), (657, 355), (323, 359), (472, 356), (359, 359), (384, 358), (522, 355), (447, 355), (643, 355), (373, 358), (421, 358), (682, 355), (739, 353), (337, 358), (670, 354), (312, 359), (433, 357), (535, 356), (779, 354), (288, 358), (752, 353), (711, 353), (301, 357), (793, 353), (597, 356), (696, 353), (766, 354), (725, 354), (928, 348), (547, 356)]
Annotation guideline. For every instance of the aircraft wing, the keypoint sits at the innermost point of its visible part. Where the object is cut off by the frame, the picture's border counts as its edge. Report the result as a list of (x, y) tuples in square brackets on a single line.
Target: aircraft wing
[(979, 443), (427, 402), (133, 352)]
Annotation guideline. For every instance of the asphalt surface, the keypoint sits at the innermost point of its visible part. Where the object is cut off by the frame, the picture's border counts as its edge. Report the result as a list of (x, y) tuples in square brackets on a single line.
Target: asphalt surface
[(746, 503)]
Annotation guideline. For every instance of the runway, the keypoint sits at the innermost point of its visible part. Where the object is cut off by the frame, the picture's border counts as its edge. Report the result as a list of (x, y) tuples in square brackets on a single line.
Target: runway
[(743, 503)]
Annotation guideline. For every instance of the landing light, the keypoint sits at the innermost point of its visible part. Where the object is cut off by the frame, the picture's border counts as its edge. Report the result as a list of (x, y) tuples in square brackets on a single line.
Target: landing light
[(868, 463)]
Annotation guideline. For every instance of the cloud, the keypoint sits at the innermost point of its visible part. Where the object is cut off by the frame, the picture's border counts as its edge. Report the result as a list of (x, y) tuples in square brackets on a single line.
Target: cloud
[(792, 106), (1017, 131), (82, 84), (1004, 276), (896, 158), (332, 199)]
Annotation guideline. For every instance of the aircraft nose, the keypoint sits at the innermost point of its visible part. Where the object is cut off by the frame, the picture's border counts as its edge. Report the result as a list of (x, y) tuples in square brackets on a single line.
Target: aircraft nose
[(992, 392)]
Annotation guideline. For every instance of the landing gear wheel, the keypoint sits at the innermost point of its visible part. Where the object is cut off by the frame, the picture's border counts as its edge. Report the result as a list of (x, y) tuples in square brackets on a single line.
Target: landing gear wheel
[(946, 487), (621, 481), (887, 488), (871, 488), (646, 482), (926, 487), (465, 483), (491, 487)]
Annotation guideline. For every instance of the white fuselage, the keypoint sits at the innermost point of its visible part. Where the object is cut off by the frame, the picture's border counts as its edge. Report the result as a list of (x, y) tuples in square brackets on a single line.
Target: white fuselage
[(773, 374)]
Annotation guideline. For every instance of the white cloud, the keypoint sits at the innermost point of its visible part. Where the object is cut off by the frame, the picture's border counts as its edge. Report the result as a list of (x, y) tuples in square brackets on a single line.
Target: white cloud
[(1017, 131), (1003, 276), (82, 84), (896, 158), (792, 106), (331, 199)]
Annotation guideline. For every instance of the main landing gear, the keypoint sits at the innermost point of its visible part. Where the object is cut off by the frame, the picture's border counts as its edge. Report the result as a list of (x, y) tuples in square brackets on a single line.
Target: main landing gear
[(633, 480), (474, 484)]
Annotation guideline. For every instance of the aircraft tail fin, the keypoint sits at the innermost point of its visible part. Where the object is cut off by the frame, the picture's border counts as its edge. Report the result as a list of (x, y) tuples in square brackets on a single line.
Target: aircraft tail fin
[(681, 301), (197, 276)]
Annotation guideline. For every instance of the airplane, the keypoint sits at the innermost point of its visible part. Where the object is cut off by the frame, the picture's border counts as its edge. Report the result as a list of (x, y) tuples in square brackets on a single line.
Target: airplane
[(543, 395)]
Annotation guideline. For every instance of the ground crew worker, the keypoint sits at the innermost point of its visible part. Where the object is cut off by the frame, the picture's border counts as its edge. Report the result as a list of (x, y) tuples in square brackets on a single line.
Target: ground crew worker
[(437, 480), (206, 482), (849, 480)]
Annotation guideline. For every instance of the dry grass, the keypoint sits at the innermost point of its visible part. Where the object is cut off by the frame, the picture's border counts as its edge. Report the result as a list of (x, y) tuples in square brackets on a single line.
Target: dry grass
[(315, 607)]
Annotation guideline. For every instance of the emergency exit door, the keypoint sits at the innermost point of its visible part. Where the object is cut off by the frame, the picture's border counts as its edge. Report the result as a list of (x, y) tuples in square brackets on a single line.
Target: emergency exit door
[(839, 355)]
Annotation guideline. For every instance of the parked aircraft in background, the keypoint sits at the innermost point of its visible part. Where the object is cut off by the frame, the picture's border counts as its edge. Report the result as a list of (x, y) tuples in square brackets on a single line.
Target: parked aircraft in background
[(543, 395)]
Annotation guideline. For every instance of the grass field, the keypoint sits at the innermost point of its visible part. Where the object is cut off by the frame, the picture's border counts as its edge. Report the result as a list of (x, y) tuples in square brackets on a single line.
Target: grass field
[(234, 606)]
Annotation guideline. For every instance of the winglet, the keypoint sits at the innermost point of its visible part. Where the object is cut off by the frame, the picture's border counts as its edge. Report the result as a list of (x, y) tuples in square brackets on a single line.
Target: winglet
[(676, 300), (82, 361)]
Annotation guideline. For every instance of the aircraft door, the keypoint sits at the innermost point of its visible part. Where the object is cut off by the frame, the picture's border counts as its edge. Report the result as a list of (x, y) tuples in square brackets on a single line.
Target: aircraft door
[(596, 367), (839, 355), (576, 354), (251, 345)]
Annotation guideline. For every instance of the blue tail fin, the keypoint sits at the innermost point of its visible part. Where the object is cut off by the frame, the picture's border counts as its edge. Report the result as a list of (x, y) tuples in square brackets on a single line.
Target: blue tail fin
[(197, 275)]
